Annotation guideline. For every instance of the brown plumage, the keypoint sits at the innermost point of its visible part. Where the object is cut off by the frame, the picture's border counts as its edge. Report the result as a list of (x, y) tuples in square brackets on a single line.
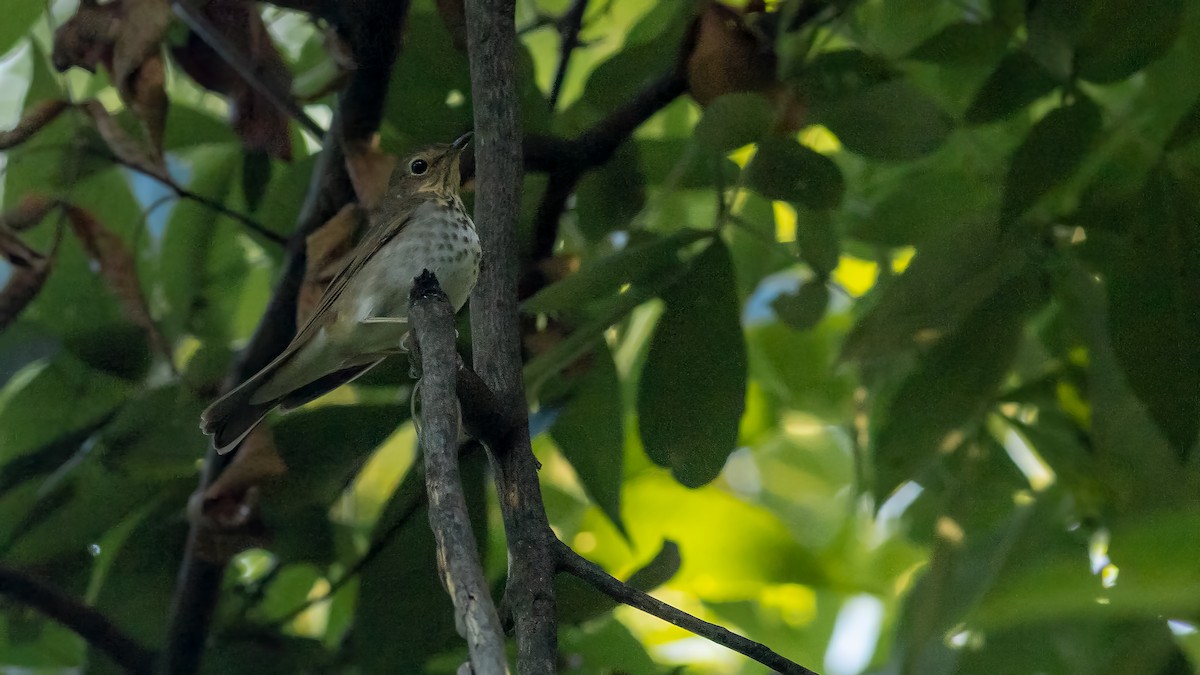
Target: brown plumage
[(362, 317)]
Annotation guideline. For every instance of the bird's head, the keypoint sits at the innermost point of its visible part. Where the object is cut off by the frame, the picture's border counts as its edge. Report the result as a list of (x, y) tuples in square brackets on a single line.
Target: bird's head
[(432, 170)]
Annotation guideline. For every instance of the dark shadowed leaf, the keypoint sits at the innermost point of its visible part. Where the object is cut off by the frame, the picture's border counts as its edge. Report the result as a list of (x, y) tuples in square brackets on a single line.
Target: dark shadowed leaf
[(1149, 251), (888, 121), (948, 279), (804, 308), (832, 75), (1123, 36), (590, 431), (609, 197), (734, 120), (1018, 81), (693, 386), (1049, 155), (959, 44), (604, 276), (785, 170), (952, 384)]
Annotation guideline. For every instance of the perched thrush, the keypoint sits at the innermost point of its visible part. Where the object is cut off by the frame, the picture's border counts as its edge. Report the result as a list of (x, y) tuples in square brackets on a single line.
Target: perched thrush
[(363, 315)]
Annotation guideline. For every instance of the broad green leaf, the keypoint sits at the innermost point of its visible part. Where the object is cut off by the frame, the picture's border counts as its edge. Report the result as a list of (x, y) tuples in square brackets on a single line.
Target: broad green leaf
[(783, 169), (947, 280), (18, 20), (55, 399), (1049, 155), (1123, 36), (603, 277), (651, 48), (402, 585), (1156, 577), (963, 44), (734, 120), (1018, 81), (952, 384), (804, 308), (590, 431), (202, 265), (608, 198), (1148, 249), (888, 121), (928, 202), (674, 163), (817, 240), (693, 385)]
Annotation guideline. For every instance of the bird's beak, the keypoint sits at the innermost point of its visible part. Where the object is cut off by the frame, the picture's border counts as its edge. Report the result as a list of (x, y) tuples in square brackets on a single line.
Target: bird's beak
[(463, 141)]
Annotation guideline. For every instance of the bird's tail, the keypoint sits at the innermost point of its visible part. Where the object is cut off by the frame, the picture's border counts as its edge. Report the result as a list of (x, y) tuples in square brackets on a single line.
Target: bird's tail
[(233, 416)]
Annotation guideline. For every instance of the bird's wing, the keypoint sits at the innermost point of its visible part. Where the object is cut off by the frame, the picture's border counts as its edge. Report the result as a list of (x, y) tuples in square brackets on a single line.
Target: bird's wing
[(376, 238)]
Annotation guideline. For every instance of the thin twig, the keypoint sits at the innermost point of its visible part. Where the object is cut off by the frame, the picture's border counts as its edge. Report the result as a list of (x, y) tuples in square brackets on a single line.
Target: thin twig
[(432, 321), (571, 23), (529, 592), (98, 630), (585, 570)]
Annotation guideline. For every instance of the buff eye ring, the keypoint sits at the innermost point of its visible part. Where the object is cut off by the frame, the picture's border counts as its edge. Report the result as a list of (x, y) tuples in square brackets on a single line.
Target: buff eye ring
[(418, 167)]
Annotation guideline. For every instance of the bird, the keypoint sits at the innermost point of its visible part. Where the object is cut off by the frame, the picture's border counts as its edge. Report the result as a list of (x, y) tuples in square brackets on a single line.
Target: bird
[(362, 318)]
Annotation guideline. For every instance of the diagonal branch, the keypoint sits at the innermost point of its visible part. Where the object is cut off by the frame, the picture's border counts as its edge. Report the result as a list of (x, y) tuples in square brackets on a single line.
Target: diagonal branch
[(529, 594), (432, 321), (570, 24), (591, 573), (86, 621)]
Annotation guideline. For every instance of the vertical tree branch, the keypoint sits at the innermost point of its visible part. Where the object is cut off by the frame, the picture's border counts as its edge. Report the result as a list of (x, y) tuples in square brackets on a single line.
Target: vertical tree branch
[(359, 113), (529, 594), (569, 27), (432, 322)]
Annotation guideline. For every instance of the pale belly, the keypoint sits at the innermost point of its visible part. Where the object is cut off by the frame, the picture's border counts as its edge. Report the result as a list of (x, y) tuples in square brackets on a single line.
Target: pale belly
[(445, 245)]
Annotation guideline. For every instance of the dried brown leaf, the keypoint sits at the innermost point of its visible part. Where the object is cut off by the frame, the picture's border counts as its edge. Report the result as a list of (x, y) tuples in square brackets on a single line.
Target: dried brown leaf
[(119, 271), (28, 212), (149, 100), (259, 123), (127, 149), (731, 56), (257, 461), (328, 250), (29, 271), (369, 169), (35, 118), (454, 15)]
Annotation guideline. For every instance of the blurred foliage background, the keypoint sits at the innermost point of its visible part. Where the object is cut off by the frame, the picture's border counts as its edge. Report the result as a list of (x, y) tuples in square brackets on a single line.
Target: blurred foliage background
[(879, 347)]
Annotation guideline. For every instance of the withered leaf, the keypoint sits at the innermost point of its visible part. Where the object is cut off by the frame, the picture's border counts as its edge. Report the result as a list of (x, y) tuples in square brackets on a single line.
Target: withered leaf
[(369, 169), (34, 119), (119, 271), (126, 148), (259, 123), (29, 271), (256, 461)]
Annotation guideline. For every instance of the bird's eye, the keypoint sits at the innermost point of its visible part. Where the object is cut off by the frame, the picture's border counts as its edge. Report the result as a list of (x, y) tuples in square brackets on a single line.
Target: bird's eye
[(418, 167)]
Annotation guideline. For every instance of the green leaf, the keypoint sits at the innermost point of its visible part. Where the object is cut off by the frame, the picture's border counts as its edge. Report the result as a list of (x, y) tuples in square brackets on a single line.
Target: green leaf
[(402, 585), (18, 20), (1018, 81), (52, 400), (804, 308), (1148, 249), (609, 197), (604, 276), (1157, 577), (832, 75), (817, 240), (785, 170), (888, 121), (952, 384), (734, 120), (950, 276), (963, 44), (1124, 36), (1187, 129), (1050, 154), (590, 431), (693, 385)]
